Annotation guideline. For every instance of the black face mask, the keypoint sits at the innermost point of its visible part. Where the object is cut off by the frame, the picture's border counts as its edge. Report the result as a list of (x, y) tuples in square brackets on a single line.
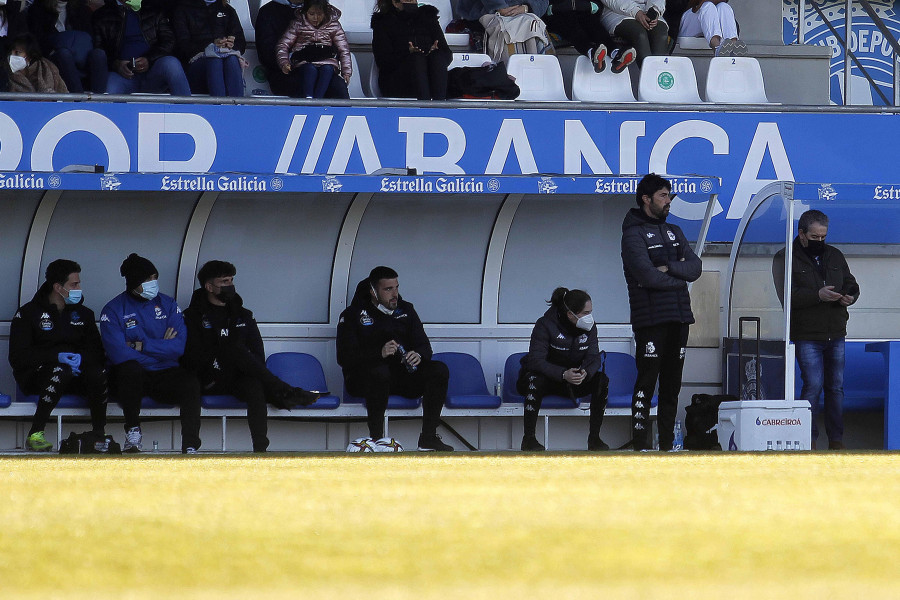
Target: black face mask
[(815, 247), (226, 293)]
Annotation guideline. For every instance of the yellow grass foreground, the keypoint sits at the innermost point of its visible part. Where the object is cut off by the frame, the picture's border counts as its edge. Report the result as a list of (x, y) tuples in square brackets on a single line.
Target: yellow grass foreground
[(452, 527)]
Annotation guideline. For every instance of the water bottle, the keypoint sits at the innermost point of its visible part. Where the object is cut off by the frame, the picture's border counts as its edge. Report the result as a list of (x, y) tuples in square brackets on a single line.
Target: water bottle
[(678, 445), (498, 387), (156, 445), (402, 352), (778, 447), (769, 445)]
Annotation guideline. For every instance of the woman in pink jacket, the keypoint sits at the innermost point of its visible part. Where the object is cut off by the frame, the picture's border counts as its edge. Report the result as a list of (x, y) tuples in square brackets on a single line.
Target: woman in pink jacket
[(315, 46)]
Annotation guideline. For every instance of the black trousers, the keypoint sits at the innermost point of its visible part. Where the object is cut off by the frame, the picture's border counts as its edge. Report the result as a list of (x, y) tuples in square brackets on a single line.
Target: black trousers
[(660, 357), (170, 386), (583, 30), (419, 75), (535, 386), (645, 43), (289, 84), (376, 384), (51, 381)]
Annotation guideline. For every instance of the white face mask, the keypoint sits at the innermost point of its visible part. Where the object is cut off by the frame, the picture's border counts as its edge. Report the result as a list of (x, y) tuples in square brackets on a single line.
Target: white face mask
[(586, 322), (380, 306), (17, 63)]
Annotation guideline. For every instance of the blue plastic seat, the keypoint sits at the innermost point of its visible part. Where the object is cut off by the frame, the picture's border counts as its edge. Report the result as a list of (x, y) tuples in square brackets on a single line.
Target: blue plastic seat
[(622, 372), (510, 394), (304, 371), (394, 401), (467, 388), (76, 401), (5, 401), (221, 401)]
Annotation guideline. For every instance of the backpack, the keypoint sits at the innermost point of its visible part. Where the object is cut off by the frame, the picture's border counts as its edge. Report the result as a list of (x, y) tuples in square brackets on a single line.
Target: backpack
[(89, 443), (488, 81), (521, 34), (701, 421)]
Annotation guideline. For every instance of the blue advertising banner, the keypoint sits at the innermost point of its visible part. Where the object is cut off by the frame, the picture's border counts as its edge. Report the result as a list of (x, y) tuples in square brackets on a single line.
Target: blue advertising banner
[(744, 150)]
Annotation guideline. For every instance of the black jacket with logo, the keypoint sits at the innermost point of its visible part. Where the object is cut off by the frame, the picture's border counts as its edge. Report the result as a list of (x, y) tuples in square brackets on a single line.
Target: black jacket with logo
[(212, 331), (557, 345), (108, 24), (39, 332), (812, 319), (197, 24), (363, 330), (656, 297)]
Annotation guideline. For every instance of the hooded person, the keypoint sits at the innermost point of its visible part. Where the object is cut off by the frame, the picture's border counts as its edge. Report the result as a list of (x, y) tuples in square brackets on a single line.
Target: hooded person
[(144, 335), (383, 350), (564, 359), (55, 349), (225, 349)]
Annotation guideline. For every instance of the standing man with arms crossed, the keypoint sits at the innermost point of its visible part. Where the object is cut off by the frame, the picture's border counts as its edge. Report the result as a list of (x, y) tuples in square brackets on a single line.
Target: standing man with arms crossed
[(383, 349), (822, 287), (658, 265)]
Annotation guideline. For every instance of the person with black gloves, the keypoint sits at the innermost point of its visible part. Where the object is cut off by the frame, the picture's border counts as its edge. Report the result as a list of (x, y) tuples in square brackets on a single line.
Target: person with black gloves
[(383, 349), (225, 349), (658, 264), (564, 359), (144, 335), (54, 349)]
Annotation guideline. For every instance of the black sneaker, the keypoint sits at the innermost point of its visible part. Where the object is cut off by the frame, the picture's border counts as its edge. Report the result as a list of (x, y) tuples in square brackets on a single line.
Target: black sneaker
[(622, 58), (290, 397), (433, 443), (598, 56), (530, 444), (595, 443)]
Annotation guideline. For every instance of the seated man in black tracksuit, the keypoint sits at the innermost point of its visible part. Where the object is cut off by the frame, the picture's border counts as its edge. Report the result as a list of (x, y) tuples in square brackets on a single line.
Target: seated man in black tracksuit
[(383, 349), (225, 349), (54, 348)]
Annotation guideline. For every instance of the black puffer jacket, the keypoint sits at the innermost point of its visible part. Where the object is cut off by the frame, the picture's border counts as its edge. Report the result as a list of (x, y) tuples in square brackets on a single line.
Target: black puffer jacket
[(213, 331), (197, 24), (363, 330), (656, 297), (42, 21), (812, 319), (392, 32), (557, 345), (39, 332), (272, 21), (108, 25)]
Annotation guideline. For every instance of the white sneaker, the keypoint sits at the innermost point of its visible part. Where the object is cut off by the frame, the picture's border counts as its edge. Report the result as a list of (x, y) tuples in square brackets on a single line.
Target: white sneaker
[(190, 450), (133, 440)]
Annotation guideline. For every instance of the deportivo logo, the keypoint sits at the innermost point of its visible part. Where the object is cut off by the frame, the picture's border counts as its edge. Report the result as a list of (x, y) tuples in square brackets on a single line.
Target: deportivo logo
[(75, 319), (364, 318), (670, 234), (160, 316), (650, 350), (582, 339), (650, 235), (205, 323)]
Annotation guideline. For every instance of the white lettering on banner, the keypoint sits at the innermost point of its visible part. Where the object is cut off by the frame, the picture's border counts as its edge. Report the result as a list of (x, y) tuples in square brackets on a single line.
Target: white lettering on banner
[(415, 129), (671, 137), (151, 127), (205, 183), (290, 144), (315, 146), (90, 122), (21, 182), (511, 134), (578, 144), (11, 146), (629, 133), (886, 193), (767, 137), (355, 133)]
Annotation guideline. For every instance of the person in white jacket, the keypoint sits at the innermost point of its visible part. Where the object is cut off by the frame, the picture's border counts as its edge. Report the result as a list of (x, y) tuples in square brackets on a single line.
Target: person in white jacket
[(713, 20), (640, 23)]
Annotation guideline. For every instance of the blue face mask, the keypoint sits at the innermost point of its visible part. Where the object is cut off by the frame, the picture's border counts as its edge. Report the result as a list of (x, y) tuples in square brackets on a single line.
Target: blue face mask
[(150, 289), (74, 297)]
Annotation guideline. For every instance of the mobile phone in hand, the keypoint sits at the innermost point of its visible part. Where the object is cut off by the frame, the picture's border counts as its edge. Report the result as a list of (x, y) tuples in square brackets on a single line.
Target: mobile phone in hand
[(652, 14)]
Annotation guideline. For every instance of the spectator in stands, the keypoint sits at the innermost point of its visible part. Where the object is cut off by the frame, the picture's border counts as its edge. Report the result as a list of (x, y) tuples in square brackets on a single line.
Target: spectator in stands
[(822, 287), (713, 20), (63, 30), (315, 46), (410, 50), (12, 23), (581, 23), (210, 41), (28, 71), (225, 349), (658, 264), (564, 359), (54, 349), (138, 42), (144, 336), (640, 23), (272, 21), (383, 349), (472, 10)]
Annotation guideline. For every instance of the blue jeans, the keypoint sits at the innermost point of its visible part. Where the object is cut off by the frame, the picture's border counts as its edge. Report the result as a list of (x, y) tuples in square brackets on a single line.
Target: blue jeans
[(166, 75), (216, 76), (75, 56), (822, 367), (315, 79)]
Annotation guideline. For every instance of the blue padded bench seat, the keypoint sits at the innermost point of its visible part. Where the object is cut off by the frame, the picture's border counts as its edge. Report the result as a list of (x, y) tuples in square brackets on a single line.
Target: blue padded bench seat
[(304, 371), (467, 387), (5, 401)]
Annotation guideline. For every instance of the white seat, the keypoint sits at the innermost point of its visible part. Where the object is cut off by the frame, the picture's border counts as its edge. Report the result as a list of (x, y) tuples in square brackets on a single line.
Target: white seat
[(668, 80), (242, 8), (590, 86), (356, 19), (255, 81), (467, 59), (355, 86), (445, 15), (735, 79), (538, 77)]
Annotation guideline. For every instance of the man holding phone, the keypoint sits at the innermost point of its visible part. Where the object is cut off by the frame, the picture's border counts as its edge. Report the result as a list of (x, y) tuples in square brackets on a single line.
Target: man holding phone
[(640, 23)]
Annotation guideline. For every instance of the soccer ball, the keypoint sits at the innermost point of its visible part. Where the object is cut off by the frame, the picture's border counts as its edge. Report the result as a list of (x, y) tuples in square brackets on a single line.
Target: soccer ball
[(363, 444), (388, 444)]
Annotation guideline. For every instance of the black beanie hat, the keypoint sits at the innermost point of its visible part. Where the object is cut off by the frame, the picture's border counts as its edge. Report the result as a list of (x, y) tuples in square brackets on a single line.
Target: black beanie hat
[(136, 270)]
